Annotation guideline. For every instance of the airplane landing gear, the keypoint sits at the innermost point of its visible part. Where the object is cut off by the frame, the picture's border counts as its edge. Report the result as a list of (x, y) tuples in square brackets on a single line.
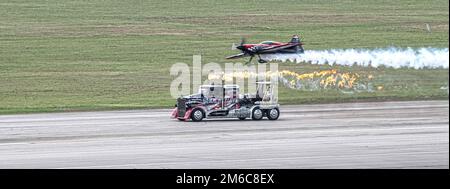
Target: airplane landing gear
[(261, 60), (250, 60)]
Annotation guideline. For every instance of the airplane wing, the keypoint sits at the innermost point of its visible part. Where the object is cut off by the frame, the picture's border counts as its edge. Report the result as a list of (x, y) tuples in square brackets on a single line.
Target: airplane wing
[(240, 55), (277, 48)]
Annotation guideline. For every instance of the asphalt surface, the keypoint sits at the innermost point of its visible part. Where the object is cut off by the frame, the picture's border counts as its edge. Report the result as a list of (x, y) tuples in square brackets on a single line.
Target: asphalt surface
[(354, 135)]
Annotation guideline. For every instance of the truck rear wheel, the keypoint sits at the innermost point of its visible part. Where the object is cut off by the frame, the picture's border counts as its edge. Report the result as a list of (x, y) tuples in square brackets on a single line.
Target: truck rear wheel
[(273, 114), (257, 114)]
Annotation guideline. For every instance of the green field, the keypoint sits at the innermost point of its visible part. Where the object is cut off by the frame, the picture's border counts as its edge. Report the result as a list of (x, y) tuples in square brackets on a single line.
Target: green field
[(61, 55)]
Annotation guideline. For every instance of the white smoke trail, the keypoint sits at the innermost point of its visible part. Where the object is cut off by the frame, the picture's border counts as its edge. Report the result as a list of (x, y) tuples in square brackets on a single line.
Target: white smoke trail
[(389, 57)]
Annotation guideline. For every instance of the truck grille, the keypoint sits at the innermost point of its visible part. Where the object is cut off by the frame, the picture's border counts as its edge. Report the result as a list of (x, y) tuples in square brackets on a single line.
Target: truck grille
[(181, 107)]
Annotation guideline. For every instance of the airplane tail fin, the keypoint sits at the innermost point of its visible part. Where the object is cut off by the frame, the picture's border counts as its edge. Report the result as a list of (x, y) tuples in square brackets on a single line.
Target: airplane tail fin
[(295, 39), (299, 48)]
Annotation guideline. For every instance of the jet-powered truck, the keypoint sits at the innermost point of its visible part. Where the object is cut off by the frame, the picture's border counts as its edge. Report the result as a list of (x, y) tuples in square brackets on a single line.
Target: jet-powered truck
[(225, 101)]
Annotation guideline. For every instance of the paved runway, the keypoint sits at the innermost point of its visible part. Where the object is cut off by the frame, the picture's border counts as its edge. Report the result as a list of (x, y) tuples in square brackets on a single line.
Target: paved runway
[(353, 135)]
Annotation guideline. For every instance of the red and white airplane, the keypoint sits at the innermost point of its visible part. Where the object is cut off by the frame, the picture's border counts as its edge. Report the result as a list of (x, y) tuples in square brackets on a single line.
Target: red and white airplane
[(295, 46)]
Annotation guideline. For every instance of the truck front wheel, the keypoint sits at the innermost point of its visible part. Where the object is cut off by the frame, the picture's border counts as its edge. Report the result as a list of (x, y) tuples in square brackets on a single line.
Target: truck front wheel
[(197, 115)]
